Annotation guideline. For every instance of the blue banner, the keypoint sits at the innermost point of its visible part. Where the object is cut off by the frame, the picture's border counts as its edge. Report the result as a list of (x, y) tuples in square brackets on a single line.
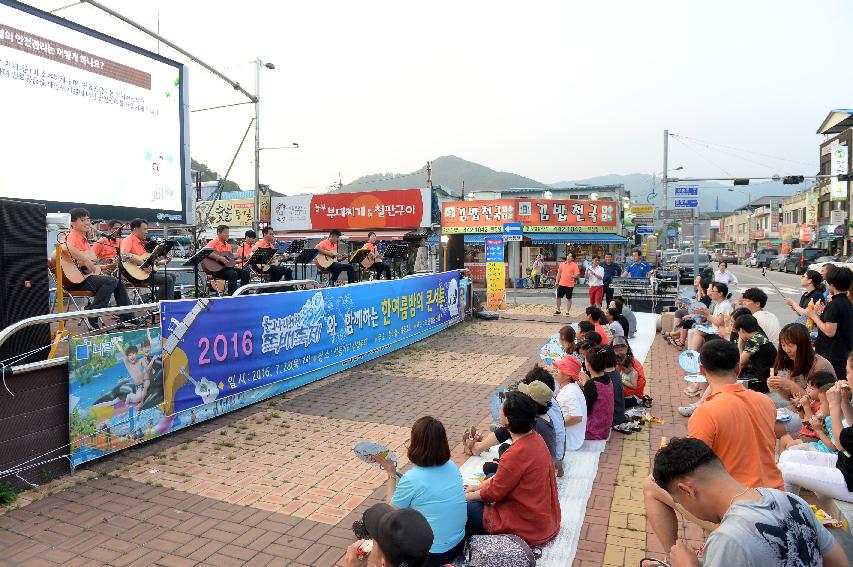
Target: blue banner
[(221, 347), (218, 355)]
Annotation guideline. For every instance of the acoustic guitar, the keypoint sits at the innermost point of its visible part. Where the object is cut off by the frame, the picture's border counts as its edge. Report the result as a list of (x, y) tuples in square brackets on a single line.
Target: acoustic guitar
[(324, 262), (72, 273), (274, 261), (135, 272), (211, 266)]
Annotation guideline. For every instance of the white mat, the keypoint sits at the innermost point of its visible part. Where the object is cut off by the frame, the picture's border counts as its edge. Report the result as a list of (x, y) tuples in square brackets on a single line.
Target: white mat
[(580, 468)]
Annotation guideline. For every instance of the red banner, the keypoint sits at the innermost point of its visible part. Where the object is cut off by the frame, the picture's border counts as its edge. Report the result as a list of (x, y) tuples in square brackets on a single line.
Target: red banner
[(536, 215), (400, 208)]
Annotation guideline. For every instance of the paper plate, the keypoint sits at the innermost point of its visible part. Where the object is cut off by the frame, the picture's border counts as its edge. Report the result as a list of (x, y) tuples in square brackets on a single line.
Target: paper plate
[(782, 415), (695, 379), (364, 450), (704, 328), (689, 361)]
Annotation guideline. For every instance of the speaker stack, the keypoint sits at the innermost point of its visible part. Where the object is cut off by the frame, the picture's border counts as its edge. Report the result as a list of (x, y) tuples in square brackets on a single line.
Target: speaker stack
[(24, 288)]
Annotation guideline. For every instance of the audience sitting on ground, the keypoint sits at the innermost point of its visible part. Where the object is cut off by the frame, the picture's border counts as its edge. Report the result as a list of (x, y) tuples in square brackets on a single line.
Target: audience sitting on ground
[(816, 387), (596, 316), (835, 322), (615, 377), (826, 474), (757, 525), (594, 337), (476, 443), (719, 293), (567, 338), (584, 347), (400, 538), (796, 360), (619, 304), (571, 401), (521, 498), (554, 414), (755, 300), (433, 487), (615, 323), (585, 327), (810, 281), (598, 393), (738, 425), (757, 353), (683, 321), (635, 386)]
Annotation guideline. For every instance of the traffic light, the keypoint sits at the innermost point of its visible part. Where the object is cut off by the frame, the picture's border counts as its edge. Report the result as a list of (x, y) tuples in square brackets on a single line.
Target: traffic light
[(792, 180)]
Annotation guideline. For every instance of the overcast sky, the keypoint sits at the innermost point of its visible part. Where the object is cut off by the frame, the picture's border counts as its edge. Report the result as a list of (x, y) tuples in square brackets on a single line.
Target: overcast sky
[(550, 90)]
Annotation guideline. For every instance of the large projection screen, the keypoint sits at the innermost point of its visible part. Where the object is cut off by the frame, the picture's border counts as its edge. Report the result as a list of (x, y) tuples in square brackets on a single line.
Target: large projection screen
[(89, 120)]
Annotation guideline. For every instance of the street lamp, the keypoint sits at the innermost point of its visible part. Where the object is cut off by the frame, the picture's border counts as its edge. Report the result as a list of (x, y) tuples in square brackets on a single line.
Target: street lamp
[(258, 65)]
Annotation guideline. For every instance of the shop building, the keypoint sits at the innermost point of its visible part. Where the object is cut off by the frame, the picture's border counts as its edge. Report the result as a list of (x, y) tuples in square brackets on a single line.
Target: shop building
[(551, 226), (834, 231)]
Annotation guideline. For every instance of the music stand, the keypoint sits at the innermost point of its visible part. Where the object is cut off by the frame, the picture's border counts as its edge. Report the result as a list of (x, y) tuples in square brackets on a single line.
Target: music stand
[(357, 257), (194, 261), (305, 257), (397, 252), (261, 256)]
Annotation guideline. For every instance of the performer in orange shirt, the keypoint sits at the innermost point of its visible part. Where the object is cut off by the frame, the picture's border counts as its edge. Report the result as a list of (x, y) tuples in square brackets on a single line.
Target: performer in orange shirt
[(224, 254), (76, 245), (244, 251), (108, 245), (329, 248), (133, 244), (275, 272), (378, 266)]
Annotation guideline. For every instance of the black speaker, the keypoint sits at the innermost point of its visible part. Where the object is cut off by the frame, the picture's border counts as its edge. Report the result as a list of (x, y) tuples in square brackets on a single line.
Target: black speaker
[(455, 252), (24, 289)]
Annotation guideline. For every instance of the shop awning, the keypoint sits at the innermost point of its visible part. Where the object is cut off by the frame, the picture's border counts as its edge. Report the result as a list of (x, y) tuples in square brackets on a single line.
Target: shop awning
[(573, 238)]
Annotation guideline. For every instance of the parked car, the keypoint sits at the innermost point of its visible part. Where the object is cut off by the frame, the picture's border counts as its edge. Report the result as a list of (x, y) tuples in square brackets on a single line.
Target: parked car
[(763, 257), (800, 258), (818, 263), (777, 263), (728, 256), (750, 260), (685, 267)]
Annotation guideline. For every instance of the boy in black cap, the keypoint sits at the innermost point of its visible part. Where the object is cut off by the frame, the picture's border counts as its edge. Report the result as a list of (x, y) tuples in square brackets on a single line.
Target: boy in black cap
[(401, 538)]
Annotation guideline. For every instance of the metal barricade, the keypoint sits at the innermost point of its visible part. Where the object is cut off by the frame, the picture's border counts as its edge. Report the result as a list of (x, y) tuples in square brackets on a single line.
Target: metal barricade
[(298, 284)]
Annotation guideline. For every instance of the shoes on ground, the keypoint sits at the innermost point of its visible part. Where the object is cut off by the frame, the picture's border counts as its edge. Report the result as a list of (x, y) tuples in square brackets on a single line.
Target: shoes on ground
[(686, 411)]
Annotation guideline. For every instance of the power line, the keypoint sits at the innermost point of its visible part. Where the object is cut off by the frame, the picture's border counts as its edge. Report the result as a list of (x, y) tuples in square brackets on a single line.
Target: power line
[(741, 150), (709, 160)]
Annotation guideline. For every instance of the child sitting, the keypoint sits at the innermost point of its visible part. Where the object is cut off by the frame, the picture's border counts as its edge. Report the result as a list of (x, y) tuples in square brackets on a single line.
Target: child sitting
[(599, 393), (817, 385)]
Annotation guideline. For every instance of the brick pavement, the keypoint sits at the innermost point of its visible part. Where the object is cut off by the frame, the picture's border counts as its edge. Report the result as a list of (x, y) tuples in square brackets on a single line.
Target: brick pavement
[(275, 483)]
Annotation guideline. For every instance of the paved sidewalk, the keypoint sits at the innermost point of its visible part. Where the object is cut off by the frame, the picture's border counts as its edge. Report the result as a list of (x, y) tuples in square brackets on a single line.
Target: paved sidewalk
[(275, 483)]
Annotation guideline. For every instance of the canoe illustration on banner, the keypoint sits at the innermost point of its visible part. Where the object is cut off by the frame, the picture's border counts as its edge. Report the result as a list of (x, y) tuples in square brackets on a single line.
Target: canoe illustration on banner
[(175, 361)]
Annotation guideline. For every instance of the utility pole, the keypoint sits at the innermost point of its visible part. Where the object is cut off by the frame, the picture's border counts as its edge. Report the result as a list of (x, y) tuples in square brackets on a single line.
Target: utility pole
[(429, 175), (256, 225), (665, 238)]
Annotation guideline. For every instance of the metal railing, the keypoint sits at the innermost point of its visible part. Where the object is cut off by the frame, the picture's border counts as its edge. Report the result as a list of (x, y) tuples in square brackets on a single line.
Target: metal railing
[(6, 333), (308, 284)]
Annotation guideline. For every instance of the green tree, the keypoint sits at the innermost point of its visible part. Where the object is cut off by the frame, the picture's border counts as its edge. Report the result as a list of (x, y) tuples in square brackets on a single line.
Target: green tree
[(208, 174)]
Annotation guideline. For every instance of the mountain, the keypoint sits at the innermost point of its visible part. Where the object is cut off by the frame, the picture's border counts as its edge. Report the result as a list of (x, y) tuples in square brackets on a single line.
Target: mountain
[(641, 185), (451, 173)]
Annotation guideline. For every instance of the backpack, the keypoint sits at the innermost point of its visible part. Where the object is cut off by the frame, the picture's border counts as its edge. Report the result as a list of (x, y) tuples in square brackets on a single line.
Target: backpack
[(501, 550)]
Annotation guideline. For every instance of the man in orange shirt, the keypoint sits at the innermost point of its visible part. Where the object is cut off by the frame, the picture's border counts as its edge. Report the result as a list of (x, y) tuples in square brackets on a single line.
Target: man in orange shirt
[(133, 244), (108, 245), (736, 423), (244, 251), (378, 266), (224, 254), (329, 248), (77, 246), (275, 272), (567, 272)]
